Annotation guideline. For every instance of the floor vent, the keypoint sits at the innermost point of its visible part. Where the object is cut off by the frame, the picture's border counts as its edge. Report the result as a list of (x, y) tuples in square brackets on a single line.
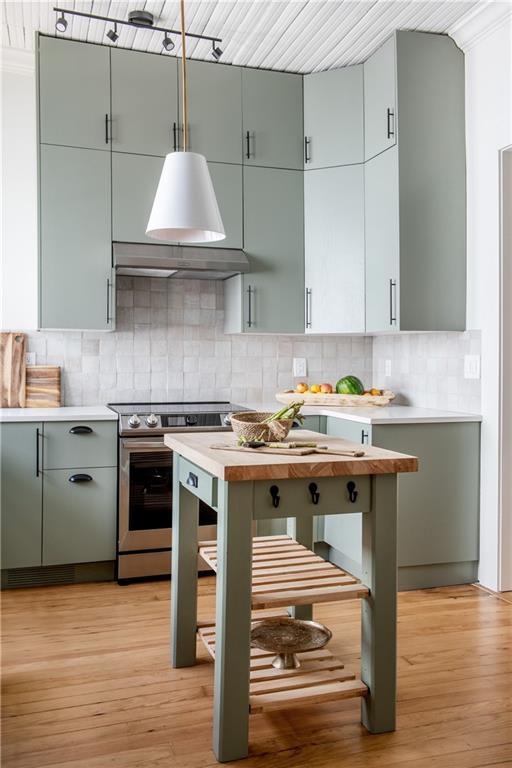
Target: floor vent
[(38, 577)]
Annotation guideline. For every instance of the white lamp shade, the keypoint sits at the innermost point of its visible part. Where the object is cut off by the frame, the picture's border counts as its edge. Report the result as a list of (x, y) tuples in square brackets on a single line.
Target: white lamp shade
[(185, 207)]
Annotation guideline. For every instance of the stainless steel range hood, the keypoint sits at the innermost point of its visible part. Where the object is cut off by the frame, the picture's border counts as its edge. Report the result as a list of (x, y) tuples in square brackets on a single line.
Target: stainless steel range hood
[(178, 261)]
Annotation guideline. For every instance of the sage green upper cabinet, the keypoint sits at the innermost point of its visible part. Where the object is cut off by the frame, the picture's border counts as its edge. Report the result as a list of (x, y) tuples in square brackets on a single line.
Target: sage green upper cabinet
[(380, 100), (334, 249), (76, 290), (134, 182), (215, 111), (144, 102), (333, 118), (74, 93), (21, 494), (416, 194), (272, 119), (382, 242), (270, 299)]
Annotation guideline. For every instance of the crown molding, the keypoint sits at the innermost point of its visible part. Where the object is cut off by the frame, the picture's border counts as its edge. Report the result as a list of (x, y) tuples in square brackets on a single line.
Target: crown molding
[(481, 22), (17, 61)]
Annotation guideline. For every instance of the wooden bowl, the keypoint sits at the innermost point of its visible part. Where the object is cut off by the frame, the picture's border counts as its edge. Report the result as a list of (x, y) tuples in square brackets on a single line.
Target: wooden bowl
[(249, 425)]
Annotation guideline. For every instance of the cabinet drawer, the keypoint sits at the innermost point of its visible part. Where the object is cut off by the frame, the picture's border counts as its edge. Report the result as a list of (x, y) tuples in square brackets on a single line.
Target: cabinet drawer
[(198, 482), (79, 515), (80, 444)]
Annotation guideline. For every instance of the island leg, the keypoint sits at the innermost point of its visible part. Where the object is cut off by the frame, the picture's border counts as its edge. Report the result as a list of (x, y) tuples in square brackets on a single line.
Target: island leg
[(378, 611), (233, 621), (185, 519), (301, 529)]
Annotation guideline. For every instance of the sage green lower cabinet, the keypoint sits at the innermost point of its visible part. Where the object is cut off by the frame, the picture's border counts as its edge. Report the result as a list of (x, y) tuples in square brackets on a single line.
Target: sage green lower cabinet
[(134, 182), (21, 494), (270, 298), (438, 507), (79, 518), (76, 280)]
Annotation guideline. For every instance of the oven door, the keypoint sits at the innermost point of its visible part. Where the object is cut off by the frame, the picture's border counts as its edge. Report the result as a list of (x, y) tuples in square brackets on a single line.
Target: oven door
[(145, 497)]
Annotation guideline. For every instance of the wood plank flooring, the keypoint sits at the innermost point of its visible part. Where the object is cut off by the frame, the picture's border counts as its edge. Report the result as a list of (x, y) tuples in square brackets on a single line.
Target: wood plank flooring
[(87, 684)]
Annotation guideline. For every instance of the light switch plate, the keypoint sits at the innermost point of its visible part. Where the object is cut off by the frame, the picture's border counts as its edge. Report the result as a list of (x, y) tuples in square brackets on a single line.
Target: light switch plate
[(30, 358), (300, 367), (471, 366)]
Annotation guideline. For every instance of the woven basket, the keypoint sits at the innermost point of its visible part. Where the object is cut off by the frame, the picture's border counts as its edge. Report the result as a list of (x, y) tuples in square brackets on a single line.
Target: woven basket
[(248, 424)]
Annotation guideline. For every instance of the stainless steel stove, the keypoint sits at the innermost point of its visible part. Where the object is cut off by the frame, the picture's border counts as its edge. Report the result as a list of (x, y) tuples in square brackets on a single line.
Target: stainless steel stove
[(145, 481)]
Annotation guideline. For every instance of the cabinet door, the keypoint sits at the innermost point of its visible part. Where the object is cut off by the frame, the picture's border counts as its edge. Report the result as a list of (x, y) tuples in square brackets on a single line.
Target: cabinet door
[(273, 238), (380, 117), (334, 249), (272, 119), (21, 494), (215, 111), (75, 239), (144, 102), (74, 93), (134, 182), (333, 117), (382, 242), (79, 518)]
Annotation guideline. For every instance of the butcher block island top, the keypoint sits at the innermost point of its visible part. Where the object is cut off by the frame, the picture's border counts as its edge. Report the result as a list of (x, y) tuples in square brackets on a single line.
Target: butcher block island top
[(250, 464)]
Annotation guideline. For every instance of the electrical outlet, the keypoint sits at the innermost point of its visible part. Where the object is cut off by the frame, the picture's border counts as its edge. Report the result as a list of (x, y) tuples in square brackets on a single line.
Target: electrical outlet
[(471, 366), (300, 367), (387, 368), (30, 358)]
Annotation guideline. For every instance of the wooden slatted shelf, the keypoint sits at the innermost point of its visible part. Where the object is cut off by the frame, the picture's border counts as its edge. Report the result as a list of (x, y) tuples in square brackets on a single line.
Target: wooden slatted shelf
[(321, 677), (286, 573)]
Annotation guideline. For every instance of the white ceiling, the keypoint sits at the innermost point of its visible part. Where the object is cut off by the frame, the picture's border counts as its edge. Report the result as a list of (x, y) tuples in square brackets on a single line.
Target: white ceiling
[(292, 35)]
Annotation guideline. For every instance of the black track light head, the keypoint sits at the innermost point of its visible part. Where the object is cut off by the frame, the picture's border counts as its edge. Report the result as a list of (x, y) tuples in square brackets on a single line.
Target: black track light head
[(168, 43), (61, 24), (216, 51), (112, 34)]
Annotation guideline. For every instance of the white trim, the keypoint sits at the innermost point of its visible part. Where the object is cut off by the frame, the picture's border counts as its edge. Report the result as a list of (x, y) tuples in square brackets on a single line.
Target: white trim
[(504, 554), (480, 23), (17, 61)]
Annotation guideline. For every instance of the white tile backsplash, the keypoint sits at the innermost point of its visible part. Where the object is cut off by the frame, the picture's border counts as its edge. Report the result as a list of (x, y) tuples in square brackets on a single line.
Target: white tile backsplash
[(169, 345)]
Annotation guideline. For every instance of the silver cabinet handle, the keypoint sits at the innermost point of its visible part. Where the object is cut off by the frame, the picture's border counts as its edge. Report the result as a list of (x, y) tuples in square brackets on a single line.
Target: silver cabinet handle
[(390, 121), (307, 156), (308, 307), (250, 291), (392, 301)]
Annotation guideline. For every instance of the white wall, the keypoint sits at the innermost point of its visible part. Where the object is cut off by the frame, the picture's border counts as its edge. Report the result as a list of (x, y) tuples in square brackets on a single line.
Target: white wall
[(18, 284), (489, 129)]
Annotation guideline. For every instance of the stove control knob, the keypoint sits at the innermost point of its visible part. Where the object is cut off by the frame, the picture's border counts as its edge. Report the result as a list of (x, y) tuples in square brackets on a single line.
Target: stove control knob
[(151, 420), (134, 421)]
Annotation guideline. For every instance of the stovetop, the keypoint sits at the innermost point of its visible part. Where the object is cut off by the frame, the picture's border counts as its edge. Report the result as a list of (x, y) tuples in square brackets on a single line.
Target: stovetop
[(158, 418)]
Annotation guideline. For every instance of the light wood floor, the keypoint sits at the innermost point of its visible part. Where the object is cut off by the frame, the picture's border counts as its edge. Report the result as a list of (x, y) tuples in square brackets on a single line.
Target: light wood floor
[(87, 684)]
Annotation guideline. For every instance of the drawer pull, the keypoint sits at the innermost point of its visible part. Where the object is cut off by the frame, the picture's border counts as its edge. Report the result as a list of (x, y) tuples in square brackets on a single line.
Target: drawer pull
[(192, 480), (80, 478), (315, 493), (352, 493), (81, 430), (274, 492)]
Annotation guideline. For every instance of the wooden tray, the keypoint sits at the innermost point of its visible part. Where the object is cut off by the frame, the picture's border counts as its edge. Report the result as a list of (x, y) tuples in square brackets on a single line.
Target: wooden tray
[(333, 400)]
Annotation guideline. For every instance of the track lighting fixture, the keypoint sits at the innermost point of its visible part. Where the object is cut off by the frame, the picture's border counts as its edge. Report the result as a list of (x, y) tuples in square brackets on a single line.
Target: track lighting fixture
[(168, 43), (61, 24), (112, 34), (216, 51)]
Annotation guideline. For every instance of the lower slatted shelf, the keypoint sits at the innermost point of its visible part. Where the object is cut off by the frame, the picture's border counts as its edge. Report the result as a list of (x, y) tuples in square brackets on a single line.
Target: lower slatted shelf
[(321, 677), (285, 573)]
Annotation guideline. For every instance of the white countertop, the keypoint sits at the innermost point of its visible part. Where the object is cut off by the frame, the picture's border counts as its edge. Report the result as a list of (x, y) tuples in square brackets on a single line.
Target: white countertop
[(66, 413), (391, 414)]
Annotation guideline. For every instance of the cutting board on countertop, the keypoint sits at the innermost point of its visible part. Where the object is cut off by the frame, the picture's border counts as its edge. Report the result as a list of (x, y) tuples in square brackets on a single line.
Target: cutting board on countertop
[(13, 364), (43, 389)]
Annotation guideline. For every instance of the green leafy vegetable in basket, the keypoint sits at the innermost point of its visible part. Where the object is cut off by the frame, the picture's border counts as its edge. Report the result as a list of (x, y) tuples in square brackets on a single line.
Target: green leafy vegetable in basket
[(291, 411)]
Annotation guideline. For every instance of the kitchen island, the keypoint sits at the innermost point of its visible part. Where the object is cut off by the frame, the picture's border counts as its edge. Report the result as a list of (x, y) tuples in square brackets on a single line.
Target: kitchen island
[(246, 487)]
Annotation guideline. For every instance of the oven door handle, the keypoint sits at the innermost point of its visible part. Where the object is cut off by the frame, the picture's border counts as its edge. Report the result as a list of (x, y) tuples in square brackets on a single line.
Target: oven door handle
[(143, 445)]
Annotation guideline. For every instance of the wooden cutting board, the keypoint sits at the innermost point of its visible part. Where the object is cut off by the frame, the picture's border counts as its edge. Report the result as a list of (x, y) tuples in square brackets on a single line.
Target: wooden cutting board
[(12, 365), (334, 400), (43, 386)]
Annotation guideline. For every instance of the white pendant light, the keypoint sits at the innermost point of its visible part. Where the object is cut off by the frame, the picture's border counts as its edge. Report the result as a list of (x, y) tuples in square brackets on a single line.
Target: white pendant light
[(185, 207)]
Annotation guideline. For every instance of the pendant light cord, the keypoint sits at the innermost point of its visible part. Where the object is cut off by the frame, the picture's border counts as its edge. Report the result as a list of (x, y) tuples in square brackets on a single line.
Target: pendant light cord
[(184, 75)]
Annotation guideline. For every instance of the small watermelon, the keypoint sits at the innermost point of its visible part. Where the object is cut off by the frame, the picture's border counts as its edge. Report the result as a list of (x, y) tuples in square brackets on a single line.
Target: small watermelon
[(349, 385)]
